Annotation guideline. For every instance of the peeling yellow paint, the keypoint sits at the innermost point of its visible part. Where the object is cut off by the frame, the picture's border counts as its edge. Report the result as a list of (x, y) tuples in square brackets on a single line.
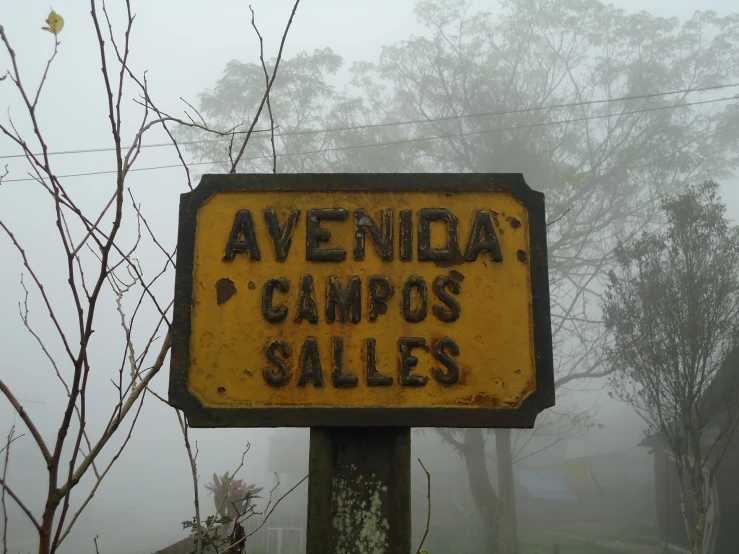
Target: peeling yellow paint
[(494, 331)]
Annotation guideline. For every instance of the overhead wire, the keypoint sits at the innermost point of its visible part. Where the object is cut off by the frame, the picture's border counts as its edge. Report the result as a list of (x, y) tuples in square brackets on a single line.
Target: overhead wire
[(404, 141), (406, 122)]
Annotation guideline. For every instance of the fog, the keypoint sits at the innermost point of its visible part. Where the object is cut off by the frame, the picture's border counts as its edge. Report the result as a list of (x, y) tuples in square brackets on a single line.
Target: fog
[(580, 473)]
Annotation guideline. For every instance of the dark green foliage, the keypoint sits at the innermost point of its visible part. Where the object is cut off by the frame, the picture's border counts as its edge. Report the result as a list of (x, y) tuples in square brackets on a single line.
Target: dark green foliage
[(672, 307), (213, 538)]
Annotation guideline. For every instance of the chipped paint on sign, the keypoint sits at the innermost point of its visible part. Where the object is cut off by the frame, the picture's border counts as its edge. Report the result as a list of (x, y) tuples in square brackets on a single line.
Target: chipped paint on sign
[(296, 306), (361, 299)]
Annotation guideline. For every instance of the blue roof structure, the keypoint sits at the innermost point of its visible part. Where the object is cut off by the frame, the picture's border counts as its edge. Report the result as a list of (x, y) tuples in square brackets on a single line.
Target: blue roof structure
[(549, 484)]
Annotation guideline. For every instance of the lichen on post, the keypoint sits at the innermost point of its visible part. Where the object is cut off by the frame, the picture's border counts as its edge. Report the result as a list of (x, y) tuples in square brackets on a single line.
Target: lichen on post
[(359, 491)]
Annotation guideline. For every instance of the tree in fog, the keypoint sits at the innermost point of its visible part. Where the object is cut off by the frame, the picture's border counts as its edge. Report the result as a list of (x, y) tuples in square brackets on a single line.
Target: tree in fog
[(94, 306), (570, 93), (672, 307)]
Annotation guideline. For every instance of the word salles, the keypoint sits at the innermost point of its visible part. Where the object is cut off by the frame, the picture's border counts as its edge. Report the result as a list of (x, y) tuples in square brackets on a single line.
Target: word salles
[(482, 237), (310, 368)]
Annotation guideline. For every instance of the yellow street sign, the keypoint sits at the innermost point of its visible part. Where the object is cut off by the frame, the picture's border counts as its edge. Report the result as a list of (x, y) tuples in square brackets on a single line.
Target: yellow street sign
[(409, 300)]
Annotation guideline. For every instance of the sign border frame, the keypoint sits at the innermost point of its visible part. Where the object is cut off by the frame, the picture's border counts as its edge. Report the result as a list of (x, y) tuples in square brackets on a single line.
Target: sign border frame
[(523, 416)]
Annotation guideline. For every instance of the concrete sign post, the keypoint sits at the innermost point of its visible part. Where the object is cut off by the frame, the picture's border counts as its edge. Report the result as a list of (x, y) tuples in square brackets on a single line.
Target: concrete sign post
[(361, 305)]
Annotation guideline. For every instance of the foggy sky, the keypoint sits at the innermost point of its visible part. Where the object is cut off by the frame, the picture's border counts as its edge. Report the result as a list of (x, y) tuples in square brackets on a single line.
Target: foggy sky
[(184, 45)]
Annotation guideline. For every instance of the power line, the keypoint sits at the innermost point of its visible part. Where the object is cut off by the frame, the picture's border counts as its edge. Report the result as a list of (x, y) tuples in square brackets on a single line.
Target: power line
[(404, 141), (107, 149), (408, 122)]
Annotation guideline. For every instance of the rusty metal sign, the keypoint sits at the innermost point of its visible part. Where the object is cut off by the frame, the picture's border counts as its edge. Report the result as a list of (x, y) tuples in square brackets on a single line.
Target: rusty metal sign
[(362, 300)]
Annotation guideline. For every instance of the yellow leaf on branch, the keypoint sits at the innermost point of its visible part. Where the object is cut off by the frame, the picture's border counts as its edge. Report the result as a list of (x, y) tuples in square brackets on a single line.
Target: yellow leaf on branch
[(55, 23)]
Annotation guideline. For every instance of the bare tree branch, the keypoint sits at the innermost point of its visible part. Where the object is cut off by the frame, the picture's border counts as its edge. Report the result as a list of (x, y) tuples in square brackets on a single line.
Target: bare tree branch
[(266, 92), (27, 420), (4, 484), (4, 506), (266, 83), (428, 503)]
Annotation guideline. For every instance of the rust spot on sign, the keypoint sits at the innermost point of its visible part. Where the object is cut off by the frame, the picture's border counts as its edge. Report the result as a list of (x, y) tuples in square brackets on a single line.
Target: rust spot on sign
[(526, 389), (376, 278), (515, 223), (225, 289), (521, 255), (480, 400), (456, 275)]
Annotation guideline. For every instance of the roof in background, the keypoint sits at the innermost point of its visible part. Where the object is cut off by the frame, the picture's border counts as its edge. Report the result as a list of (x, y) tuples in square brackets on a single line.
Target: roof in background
[(544, 483)]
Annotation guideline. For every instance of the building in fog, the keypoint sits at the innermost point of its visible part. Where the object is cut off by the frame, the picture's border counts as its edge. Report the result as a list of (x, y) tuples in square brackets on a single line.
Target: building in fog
[(610, 488), (722, 519)]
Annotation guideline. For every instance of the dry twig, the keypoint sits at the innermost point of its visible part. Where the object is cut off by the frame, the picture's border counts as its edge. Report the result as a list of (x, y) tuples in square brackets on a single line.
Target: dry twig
[(4, 506), (88, 242), (428, 512), (266, 82), (266, 92)]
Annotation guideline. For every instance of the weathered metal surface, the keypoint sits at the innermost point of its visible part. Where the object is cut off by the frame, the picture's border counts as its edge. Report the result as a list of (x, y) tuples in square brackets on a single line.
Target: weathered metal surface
[(362, 299), (359, 491)]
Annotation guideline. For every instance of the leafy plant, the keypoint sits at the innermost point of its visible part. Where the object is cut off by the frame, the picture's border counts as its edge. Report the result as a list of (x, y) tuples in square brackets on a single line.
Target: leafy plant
[(214, 536), (232, 497), (224, 531)]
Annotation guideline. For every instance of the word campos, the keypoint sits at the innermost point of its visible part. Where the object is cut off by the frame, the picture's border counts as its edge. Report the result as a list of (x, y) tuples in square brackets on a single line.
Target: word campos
[(345, 303)]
